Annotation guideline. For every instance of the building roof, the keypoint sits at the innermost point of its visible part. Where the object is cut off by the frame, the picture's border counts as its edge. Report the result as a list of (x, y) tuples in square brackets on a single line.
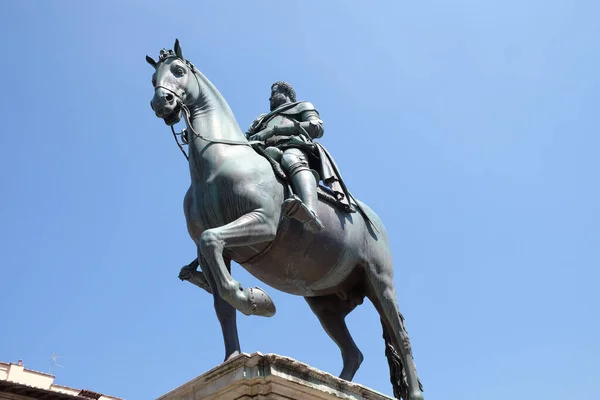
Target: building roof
[(16, 379), (34, 392)]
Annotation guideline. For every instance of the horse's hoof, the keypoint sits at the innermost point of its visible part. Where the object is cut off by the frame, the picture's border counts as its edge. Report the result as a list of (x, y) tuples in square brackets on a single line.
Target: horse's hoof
[(261, 303), (185, 273), (232, 355), (416, 396)]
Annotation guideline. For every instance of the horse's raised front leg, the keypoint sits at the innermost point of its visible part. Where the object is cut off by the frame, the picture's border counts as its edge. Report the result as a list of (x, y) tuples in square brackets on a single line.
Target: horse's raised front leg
[(249, 229)]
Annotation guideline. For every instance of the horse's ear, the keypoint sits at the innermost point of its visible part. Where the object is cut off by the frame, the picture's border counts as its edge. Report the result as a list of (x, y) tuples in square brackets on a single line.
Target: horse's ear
[(177, 49), (151, 61)]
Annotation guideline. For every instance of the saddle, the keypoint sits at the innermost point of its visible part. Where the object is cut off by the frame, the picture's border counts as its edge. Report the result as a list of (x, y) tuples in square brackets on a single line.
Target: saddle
[(324, 193)]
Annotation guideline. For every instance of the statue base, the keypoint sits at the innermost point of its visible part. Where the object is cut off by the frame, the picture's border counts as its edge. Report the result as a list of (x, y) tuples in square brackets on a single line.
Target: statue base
[(269, 376)]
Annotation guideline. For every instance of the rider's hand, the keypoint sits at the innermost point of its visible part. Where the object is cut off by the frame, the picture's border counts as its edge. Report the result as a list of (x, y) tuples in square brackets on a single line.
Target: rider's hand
[(262, 135)]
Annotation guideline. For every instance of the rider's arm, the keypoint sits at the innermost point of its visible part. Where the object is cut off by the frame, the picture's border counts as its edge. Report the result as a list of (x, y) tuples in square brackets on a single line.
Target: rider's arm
[(311, 123)]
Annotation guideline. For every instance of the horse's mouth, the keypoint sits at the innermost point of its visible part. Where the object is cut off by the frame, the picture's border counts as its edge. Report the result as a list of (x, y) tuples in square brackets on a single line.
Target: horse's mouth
[(174, 116)]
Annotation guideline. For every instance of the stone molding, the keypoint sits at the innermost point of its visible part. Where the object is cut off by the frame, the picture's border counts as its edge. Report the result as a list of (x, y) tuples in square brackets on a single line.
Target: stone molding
[(269, 376)]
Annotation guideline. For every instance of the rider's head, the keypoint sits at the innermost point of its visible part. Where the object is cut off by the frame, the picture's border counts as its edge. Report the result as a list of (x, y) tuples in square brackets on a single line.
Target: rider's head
[(281, 93)]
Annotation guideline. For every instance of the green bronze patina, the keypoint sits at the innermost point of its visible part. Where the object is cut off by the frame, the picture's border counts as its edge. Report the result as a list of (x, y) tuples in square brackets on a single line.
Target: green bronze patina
[(259, 203)]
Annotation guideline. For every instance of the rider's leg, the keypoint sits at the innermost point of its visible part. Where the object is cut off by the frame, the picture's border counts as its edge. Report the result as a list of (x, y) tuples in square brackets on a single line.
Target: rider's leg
[(304, 183), (274, 153)]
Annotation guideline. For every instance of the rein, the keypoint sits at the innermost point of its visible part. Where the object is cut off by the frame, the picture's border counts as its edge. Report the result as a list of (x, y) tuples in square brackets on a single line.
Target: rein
[(186, 141)]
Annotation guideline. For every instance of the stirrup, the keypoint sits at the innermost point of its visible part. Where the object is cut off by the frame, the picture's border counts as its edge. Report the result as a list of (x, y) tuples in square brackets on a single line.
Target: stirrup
[(295, 208)]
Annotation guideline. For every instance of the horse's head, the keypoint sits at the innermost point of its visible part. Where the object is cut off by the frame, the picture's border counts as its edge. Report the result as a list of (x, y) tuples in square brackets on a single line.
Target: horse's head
[(174, 84)]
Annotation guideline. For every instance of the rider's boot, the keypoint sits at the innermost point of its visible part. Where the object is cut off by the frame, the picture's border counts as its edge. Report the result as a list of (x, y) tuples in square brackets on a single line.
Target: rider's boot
[(303, 207)]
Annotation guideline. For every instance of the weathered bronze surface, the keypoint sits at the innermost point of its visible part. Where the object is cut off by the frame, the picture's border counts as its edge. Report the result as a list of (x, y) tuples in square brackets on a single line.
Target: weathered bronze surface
[(254, 198)]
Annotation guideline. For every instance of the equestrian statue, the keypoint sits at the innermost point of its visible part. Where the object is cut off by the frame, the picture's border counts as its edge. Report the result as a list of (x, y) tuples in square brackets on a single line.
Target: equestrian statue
[(273, 200)]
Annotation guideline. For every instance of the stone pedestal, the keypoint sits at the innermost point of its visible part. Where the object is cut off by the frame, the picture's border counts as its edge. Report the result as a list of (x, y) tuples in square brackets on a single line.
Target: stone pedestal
[(261, 377)]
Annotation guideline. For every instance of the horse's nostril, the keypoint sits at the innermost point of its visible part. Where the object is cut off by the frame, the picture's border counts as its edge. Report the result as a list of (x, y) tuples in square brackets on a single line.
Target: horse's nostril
[(169, 97)]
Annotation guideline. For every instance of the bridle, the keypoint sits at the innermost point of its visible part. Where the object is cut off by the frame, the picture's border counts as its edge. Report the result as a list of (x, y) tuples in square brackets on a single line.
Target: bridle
[(186, 112)]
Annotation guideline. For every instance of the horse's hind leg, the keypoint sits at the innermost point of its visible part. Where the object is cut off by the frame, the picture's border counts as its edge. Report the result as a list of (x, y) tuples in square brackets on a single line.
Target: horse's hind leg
[(380, 290), (249, 229), (331, 311)]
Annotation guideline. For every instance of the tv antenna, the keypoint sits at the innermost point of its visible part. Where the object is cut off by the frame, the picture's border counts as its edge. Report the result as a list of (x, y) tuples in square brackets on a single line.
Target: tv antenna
[(53, 363)]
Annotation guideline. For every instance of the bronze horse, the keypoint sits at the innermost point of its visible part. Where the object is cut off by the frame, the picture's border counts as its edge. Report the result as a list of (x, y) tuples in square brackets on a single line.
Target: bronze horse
[(233, 213)]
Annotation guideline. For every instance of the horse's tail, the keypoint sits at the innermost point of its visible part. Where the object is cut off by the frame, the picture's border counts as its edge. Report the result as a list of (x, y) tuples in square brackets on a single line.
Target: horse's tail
[(397, 369)]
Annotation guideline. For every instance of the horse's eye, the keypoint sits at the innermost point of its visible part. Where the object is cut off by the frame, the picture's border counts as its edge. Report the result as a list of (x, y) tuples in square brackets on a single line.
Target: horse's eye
[(153, 82), (179, 71)]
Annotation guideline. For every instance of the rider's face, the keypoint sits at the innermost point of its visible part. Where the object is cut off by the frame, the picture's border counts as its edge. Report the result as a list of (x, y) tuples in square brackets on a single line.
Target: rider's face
[(277, 97)]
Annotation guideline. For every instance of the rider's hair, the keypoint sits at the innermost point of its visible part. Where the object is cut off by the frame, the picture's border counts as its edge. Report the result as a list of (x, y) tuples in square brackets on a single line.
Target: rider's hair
[(287, 89)]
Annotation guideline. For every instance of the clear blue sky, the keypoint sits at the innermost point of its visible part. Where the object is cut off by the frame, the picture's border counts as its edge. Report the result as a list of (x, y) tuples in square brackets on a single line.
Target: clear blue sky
[(470, 127)]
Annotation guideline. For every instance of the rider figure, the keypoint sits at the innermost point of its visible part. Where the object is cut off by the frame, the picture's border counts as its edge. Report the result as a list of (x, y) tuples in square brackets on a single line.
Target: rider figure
[(288, 131)]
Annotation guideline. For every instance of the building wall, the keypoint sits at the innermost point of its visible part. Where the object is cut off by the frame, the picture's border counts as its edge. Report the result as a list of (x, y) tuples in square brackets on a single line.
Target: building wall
[(18, 373)]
